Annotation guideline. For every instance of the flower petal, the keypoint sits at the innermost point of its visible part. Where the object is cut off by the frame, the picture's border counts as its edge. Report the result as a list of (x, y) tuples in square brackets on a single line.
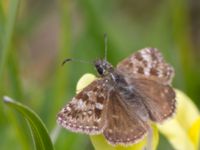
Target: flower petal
[(176, 129), (187, 112), (85, 80), (194, 133)]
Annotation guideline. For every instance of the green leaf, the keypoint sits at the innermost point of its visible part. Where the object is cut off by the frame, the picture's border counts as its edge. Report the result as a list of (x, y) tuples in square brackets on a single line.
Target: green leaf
[(39, 132)]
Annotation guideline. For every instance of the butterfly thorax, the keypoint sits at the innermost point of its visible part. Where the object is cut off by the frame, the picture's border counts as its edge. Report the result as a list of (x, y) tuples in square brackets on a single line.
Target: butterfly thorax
[(115, 79)]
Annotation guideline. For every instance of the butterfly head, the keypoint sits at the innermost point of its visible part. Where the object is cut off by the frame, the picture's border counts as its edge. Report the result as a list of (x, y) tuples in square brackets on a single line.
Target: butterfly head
[(103, 67)]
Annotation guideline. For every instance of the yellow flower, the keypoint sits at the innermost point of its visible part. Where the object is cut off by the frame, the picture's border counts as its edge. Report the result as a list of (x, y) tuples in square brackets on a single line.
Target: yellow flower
[(182, 130)]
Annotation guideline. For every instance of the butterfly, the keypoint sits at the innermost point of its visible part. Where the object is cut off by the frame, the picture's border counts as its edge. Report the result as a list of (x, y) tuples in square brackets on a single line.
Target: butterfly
[(123, 100)]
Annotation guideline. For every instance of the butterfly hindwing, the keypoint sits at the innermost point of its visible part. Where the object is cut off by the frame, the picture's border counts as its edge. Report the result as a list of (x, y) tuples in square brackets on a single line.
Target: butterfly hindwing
[(159, 99), (122, 127)]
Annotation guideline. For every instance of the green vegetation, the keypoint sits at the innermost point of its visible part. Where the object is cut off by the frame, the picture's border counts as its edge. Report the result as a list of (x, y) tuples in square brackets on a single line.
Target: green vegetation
[(36, 36)]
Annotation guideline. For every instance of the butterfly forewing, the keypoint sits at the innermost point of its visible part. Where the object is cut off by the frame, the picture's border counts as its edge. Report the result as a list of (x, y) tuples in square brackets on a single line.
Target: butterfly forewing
[(86, 112), (147, 63), (122, 128)]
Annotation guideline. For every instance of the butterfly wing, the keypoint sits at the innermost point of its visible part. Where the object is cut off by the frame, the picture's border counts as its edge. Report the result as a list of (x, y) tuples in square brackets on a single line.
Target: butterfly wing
[(147, 63), (122, 127), (86, 112), (147, 71), (159, 99)]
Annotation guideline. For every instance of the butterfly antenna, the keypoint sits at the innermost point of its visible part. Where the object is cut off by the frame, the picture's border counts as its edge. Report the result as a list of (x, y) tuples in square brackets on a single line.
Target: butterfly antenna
[(106, 45), (76, 60)]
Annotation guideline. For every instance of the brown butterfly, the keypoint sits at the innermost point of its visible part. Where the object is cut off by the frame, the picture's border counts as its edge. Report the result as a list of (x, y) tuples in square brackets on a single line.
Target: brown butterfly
[(124, 99)]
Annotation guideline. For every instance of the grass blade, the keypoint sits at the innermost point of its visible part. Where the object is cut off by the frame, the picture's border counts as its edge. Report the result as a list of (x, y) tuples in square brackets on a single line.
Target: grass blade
[(38, 130)]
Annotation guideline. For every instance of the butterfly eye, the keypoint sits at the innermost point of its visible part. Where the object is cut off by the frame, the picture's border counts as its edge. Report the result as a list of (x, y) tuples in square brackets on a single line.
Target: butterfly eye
[(100, 69)]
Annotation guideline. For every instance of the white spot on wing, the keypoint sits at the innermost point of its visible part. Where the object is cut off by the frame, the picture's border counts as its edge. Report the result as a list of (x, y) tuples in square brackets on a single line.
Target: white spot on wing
[(80, 104), (147, 71), (68, 108), (99, 106), (90, 112)]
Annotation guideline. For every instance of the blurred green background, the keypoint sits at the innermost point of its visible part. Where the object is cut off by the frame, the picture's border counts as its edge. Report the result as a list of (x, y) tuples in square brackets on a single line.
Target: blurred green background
[(37, 35)]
